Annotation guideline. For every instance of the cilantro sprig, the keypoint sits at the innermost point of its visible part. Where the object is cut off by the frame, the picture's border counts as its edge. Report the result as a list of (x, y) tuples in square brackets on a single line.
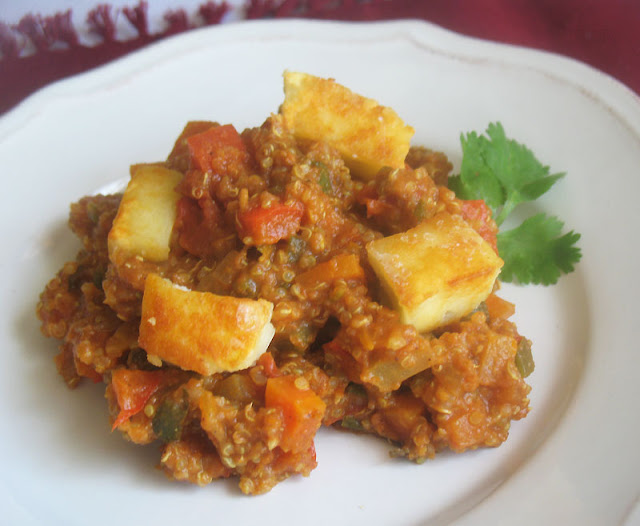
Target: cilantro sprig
[(505, 174)]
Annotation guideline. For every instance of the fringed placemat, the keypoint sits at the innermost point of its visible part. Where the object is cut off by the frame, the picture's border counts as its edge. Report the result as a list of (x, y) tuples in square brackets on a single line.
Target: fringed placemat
[(41, 49)]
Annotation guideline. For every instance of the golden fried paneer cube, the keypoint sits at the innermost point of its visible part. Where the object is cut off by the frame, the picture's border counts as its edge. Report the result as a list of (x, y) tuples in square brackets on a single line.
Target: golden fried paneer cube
[(147, 212), (436, 272), (367, 135), (201, 331)]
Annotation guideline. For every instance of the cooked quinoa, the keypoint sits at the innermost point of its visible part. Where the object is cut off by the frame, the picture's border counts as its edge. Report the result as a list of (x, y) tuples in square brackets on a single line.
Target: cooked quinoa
[(340, 356)]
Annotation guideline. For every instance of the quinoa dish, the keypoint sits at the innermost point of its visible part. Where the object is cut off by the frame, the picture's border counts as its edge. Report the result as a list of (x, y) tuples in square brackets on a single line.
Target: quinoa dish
[(260, 284)]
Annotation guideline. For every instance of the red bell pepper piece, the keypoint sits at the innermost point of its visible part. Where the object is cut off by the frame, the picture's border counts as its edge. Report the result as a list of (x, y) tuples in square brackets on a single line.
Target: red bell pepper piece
[(267, 226)]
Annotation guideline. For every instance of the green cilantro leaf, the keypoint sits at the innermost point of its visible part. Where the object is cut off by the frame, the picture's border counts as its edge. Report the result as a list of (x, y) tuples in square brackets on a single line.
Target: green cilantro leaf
[(505, 174), (501, 171), (536, 252), (477, 180)]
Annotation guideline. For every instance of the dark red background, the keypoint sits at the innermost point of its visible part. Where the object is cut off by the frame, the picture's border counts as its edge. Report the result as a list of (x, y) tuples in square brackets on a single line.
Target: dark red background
[(602, 33)]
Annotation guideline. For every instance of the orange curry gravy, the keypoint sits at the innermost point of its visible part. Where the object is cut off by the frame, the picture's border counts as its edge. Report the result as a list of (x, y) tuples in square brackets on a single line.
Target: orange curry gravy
[(270, 217)]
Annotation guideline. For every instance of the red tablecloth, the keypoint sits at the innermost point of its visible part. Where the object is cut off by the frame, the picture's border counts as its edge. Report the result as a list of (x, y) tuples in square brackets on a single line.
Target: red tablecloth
[(602, 33)]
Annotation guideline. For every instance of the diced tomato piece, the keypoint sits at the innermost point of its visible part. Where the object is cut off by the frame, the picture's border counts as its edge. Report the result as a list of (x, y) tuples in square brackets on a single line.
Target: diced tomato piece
[(268, 364), (302, 409), (342, 266), (133, 389), (374, 204), (219, 150), (478, 215), (267, 226), (336, 351), (403, 415), (377, 207), (499, 308), (88, 372), (198, 223)]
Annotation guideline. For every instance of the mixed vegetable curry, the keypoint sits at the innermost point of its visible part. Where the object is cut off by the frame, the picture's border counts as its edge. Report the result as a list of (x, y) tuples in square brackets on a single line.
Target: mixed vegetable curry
[(312, 271)]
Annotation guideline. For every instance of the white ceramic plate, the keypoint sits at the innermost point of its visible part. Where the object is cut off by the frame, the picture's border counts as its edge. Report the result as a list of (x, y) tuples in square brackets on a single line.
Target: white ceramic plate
[(573, 461)]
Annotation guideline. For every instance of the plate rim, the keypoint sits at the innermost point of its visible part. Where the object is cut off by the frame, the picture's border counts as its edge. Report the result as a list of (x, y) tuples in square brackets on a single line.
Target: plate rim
[(565, 68), (616, 98)]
